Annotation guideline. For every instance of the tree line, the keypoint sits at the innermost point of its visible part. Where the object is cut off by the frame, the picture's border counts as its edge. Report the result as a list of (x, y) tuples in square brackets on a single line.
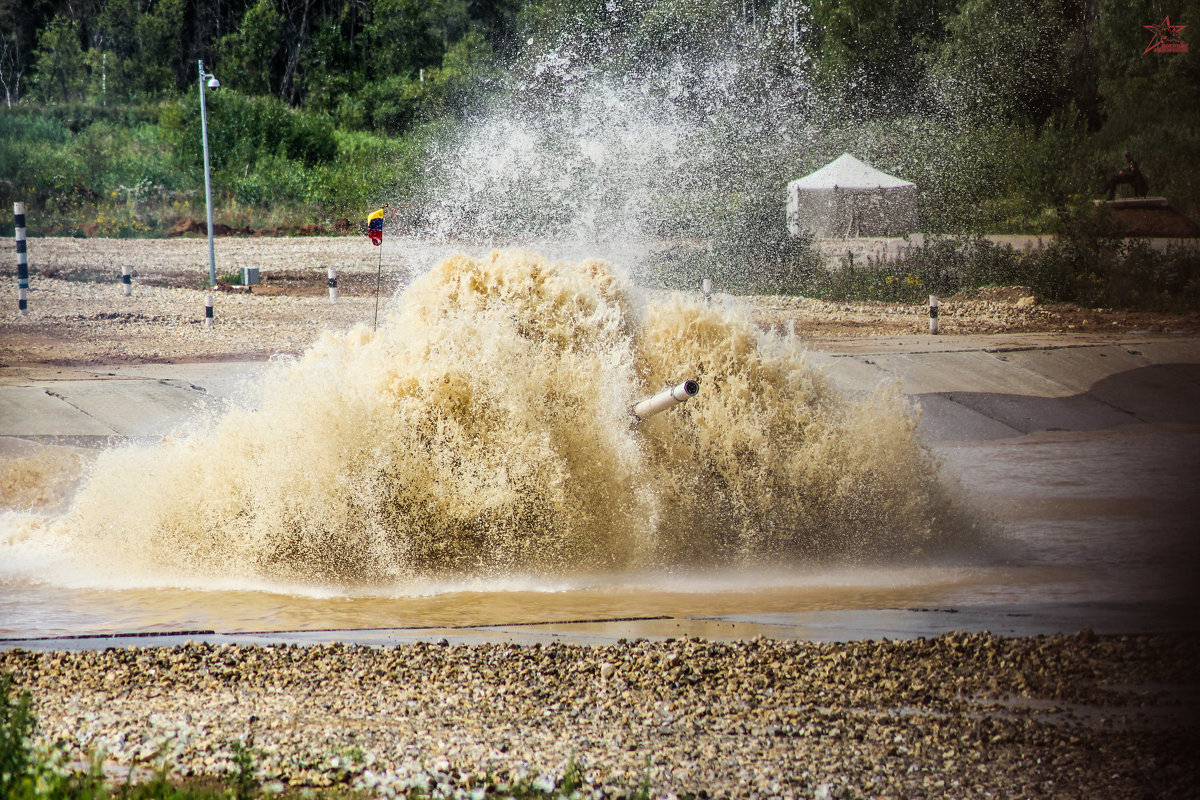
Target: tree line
[(1033, 101), (362, 60)]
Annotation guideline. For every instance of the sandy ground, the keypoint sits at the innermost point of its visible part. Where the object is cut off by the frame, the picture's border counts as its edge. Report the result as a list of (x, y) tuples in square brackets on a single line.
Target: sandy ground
[(78, 315)]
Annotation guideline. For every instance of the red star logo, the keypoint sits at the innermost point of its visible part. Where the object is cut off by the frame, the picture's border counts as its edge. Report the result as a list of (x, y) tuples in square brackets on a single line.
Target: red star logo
[(1164, 34)]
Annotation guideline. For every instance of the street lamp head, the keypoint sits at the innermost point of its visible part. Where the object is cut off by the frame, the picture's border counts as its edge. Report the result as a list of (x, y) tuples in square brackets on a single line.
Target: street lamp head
[(213, 83)]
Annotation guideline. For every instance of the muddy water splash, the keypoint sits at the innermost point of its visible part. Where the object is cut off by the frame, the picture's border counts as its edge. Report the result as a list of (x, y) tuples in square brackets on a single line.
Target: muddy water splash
[(484, 430)]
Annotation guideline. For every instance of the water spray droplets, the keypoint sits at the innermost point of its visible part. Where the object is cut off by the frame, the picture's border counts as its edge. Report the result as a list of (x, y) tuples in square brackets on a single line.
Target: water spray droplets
[(483, 431)]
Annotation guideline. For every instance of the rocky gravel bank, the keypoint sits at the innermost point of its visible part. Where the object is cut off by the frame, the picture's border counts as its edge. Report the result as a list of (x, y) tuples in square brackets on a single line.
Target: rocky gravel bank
[(957, 716)]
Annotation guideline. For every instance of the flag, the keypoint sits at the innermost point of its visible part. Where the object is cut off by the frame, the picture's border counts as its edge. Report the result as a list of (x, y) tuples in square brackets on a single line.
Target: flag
[(375, 226)]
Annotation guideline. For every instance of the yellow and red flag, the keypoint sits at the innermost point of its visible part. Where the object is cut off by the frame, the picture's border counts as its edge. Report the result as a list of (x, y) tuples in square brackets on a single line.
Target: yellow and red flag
[(375, 226)]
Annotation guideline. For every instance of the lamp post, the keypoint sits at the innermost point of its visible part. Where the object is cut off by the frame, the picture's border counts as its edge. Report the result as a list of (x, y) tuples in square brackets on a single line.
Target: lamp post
[(213, 83)]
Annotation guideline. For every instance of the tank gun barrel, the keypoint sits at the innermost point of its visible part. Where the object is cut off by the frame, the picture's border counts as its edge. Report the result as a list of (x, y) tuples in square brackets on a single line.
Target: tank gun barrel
[(665, 399)]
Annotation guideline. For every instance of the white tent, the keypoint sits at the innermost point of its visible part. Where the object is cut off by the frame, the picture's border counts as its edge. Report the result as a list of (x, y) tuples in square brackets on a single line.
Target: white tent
[(847, 198)]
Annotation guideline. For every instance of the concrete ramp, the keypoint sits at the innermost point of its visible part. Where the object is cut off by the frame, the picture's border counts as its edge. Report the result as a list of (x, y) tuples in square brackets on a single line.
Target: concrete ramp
[(989, 390), (95, 408), (968, 387)]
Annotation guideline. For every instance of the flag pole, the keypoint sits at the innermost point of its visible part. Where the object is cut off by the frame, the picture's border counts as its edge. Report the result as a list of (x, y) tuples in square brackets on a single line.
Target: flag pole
[(375, 232), (378, 272)]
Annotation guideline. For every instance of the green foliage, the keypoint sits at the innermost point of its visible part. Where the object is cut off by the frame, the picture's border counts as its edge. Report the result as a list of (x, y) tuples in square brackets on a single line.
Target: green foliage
[(1088, 263), (134, 49), (468, 68), (869, 58), (751, 253), (1008, 114), (73, 166), (135, 171), (245, 784), (243, 128), (400, 38), (60, 65), (1004, 59), (1092, 265), (17, 724), (249, 52), (940, 266)]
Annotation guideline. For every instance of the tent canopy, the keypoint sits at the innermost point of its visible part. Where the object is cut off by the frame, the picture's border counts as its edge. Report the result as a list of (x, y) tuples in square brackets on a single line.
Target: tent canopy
[(849, 198)]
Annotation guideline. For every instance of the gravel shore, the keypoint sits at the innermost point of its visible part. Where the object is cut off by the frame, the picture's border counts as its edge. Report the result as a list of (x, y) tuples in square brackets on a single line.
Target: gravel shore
[(963, 715)]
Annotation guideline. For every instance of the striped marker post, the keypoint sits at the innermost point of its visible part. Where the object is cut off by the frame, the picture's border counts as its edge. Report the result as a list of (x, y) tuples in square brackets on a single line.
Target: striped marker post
[(933, 314), (208, 311), (22, 259), (706, 287), (333, 290), (126, 281)]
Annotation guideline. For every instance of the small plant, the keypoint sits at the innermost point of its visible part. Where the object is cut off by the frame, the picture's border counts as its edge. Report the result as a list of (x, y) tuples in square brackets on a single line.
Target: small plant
[(572, 779), (245, 784), (17, 724), (645, 786)]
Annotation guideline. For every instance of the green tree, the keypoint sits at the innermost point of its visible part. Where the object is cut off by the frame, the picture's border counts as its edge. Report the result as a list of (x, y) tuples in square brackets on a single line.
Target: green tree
[(60, 67), (21, 22), (159, 31), (250, 52), (870, 52), (400, 39), (1006, 59), (1148, 100), (468, 67), (136, 48), (12, 67)]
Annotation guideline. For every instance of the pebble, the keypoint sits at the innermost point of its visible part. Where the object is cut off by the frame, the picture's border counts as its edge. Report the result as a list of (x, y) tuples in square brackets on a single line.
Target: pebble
[(962, 715)]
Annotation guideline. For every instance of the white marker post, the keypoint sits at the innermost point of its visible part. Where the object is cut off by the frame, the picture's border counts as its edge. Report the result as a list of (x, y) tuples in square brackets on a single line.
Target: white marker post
[(126, 280), (22, 259), (208, 311), (706, 287), (333, 290), (933, 314)]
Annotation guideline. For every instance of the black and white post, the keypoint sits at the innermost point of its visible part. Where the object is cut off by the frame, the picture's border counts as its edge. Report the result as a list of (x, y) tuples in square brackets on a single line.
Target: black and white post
[(706, 287), (126, 280), (208, 311), (333, 289), (933, 314), (22, 259)]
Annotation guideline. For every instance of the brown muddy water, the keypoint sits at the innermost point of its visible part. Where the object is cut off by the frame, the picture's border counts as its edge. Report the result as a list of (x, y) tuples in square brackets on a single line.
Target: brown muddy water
[(1124, 534), (473, 463)]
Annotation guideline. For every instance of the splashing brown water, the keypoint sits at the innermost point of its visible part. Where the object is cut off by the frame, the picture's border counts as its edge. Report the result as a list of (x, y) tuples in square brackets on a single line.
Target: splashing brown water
[(484, 430)]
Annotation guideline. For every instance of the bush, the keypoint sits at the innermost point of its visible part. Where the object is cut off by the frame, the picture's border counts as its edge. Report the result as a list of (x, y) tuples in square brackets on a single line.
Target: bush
[(243, 129), (1089, 264)]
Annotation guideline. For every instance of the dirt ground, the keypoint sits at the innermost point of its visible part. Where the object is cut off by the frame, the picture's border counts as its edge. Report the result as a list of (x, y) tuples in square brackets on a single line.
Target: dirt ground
[(78, 314)]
